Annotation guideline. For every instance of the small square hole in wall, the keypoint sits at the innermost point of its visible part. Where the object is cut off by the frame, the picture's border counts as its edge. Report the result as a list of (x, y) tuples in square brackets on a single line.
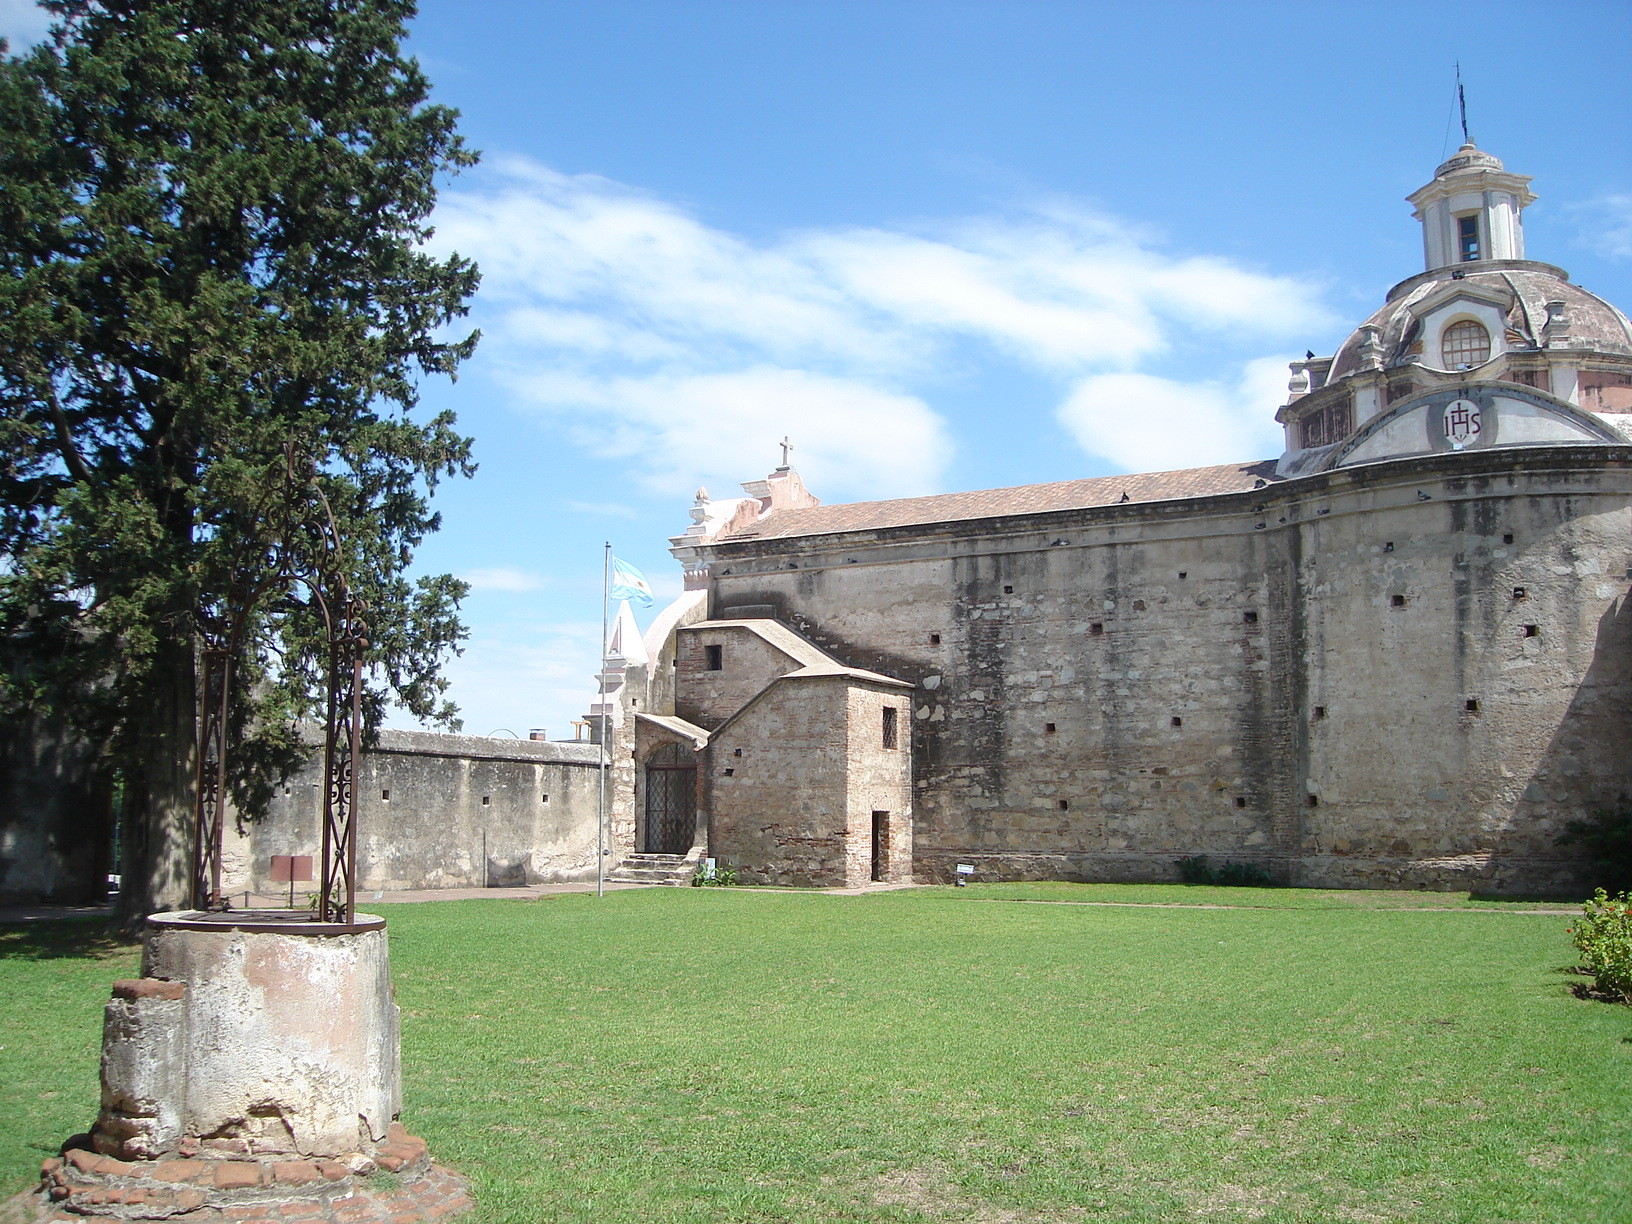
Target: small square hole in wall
[(1520, 593), (487, 800), (934, 639), (1096, 629), (1048, 728), (1320, 712), (1471, 705), (1397, 601), (544, 798), (1250, 618), (1175, 721), (1507, 537), (730, 773), (736, 752), (286, 790), (1008, 590), (1241, 801), (1183, 574), (385, 796), (1312, 800), (1138, 605), (1532, 631), (1389, 546), (1065, 805)]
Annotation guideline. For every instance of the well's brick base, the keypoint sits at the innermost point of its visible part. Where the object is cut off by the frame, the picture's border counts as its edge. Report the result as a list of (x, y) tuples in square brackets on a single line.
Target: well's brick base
[(245, 1190)]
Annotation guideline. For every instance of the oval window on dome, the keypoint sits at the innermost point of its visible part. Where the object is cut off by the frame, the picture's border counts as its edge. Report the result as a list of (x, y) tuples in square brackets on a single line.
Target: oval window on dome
[(1463, 345)]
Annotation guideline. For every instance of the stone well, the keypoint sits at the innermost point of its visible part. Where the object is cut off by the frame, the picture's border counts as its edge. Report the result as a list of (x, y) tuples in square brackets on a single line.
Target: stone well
[(251, 1072), (258, 1035)]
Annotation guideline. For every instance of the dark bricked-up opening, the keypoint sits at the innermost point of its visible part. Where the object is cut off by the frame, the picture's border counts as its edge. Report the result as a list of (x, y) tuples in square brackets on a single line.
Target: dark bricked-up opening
[(881, 847)]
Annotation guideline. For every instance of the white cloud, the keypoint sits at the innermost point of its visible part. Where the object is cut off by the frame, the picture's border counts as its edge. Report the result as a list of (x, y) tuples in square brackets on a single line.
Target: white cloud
[(502, 578), (22, 22), (1608, 229), (1144, 423), (717, 429), (689, 351), (604, 509)]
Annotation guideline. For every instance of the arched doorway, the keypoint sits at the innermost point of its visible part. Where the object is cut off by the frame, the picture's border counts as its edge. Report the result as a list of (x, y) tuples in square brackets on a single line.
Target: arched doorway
[(671, 800)]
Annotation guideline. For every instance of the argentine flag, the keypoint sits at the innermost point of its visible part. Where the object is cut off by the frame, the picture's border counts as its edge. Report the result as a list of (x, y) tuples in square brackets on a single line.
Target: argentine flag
[(630, 583)]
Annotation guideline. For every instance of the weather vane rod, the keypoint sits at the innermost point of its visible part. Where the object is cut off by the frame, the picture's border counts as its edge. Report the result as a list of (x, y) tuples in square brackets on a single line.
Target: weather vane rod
[(1462, 104)]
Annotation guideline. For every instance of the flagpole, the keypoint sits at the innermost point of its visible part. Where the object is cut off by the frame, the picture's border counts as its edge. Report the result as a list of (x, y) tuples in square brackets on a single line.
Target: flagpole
[(600, 814)]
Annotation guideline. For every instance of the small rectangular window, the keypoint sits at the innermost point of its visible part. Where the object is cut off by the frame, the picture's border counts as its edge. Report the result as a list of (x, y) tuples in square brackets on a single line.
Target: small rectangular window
[(487, 800), (1467, 237), (1507, 537), (544, 798), (716, 657), (385, 796), (892, 733)]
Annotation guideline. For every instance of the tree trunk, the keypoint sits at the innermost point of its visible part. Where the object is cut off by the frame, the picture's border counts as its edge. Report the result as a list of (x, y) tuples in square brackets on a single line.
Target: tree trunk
[(158, 829)]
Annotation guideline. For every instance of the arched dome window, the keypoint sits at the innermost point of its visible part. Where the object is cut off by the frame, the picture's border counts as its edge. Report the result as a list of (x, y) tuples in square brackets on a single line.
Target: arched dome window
[(1463, 344)]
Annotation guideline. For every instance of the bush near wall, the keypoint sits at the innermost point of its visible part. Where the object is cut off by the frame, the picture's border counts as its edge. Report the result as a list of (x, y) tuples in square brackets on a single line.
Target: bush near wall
[(1603, 936)]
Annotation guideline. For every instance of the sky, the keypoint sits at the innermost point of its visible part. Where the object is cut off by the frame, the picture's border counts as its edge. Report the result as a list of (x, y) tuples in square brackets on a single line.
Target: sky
[(938, 245)]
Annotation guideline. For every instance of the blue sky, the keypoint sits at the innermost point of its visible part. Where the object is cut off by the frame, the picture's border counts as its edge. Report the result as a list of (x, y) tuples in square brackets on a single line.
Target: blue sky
[(940, 245)]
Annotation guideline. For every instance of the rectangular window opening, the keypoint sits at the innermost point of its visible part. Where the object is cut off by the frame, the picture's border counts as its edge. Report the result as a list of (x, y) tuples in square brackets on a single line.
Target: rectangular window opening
[(892, 733), (736, 752), (487, 800), (881, 847), (385, 796), (1138, 605), (1388, 546), (1467, 237), (544, 798), (730, 773), (716, 657)]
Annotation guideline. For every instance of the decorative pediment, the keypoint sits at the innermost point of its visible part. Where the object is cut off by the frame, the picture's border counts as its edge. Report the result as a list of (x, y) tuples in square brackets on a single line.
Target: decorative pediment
[(1478, 416)]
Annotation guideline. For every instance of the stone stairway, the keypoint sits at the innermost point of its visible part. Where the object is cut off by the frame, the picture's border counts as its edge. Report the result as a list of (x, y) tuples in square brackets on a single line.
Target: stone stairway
[(674, 869)]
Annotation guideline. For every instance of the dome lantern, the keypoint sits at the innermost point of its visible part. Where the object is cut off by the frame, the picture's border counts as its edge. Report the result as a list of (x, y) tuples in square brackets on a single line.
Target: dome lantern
[(1471, 210)]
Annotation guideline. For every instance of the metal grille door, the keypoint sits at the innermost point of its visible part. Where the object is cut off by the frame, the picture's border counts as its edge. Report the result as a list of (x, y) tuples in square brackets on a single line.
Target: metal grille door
[(671, 801)]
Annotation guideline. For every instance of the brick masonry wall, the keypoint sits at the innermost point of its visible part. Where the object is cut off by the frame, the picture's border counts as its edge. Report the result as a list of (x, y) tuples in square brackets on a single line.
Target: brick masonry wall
[(782, 814), (707, 698), (879, 779), (1281, 676)]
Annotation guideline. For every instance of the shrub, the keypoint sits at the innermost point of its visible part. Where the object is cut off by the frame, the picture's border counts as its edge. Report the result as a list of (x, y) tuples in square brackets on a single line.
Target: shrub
[(1603, 936), (1607, 838), (723, 876), (1196, 870)]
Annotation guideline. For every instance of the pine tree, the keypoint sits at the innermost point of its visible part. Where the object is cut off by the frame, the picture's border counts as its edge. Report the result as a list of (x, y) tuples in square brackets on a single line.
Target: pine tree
[(212, 215)]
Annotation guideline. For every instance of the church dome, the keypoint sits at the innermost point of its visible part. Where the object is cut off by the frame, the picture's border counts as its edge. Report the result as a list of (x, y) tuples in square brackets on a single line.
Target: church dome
[(1529, 294), (1468, 158)]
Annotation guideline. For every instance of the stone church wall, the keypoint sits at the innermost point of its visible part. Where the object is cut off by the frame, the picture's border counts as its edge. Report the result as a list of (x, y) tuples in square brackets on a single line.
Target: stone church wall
[(439, 811), (1410, 673)]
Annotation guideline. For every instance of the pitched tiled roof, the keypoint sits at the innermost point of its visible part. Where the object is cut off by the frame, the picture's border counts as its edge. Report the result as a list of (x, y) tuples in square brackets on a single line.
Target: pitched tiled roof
[(1025, 499)]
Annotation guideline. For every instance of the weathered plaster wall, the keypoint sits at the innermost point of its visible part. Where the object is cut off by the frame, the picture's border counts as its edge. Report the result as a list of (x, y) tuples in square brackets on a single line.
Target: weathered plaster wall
[(56, 817), (464, 811), (1281, 675)]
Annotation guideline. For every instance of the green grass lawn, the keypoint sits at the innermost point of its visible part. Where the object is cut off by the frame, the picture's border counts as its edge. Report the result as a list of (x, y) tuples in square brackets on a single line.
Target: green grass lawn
[(950, 1055)]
